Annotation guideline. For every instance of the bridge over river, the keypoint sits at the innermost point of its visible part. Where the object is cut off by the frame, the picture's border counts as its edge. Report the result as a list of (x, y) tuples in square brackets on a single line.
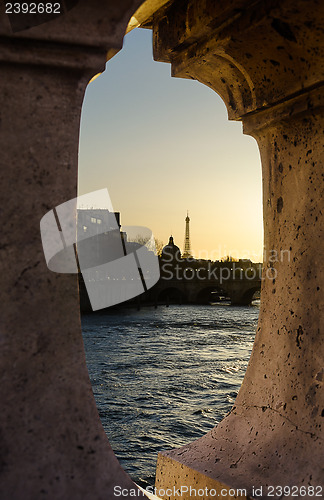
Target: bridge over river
[(239, 290)]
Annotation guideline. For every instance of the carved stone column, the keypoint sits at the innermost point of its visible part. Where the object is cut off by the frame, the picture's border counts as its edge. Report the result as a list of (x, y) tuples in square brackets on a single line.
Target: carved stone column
[(265, 59), (52, 443)]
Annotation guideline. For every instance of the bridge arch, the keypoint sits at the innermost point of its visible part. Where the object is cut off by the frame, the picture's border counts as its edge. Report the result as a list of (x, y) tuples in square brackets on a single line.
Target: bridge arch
[(244, 297), (249, 294)]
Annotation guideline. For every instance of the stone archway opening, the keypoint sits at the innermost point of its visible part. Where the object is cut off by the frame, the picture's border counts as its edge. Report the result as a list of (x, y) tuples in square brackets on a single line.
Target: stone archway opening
[(135, 182), (175, 153), (263, 58), (251, 294)]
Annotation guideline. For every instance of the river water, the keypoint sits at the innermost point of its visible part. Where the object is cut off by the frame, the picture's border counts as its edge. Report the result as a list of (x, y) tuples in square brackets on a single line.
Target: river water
[(164, 377)]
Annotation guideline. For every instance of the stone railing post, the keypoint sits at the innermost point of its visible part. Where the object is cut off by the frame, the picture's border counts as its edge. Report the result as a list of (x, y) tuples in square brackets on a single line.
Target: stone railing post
[(265, 63), (52, 443)]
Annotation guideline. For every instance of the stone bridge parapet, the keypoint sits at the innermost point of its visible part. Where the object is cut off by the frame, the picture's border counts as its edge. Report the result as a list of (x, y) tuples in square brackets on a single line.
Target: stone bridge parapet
[(265, 59)]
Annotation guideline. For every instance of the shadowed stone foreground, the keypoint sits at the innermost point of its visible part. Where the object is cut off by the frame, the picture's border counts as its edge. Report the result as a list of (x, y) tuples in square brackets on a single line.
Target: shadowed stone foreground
[(265, 59)]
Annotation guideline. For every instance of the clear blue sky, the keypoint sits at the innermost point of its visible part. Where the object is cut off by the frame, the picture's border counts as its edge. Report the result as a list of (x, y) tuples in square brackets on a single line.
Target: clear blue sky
[(163, 146)]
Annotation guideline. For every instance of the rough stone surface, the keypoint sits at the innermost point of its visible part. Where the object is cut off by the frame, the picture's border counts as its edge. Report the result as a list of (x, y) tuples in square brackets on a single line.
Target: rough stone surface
[(264, 58), (274, 433), (266, 63), (52, 443), (96, 23), (252, 54)]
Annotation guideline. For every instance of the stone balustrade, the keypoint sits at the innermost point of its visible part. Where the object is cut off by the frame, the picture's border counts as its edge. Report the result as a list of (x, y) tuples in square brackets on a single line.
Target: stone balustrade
[(265, 59)]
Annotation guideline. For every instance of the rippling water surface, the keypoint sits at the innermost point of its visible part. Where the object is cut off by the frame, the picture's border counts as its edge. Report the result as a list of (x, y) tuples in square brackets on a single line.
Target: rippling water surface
[(163, 377)]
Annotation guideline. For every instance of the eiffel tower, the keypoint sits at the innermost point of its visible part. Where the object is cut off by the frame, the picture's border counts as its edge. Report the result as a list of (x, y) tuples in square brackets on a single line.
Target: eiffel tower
[(187, 250)]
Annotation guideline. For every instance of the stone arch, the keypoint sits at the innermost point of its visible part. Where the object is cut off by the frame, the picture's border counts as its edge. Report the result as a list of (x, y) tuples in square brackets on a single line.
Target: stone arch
[(246, 57), (248, 295), (52, 442), (271, 53)]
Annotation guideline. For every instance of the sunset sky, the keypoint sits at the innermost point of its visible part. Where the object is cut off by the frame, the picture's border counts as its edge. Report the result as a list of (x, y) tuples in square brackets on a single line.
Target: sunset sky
[(162, 146)]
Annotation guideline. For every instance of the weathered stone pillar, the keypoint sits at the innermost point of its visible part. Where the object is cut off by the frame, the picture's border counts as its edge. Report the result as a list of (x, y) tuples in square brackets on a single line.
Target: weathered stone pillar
[(265, 62), (52, 443)]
